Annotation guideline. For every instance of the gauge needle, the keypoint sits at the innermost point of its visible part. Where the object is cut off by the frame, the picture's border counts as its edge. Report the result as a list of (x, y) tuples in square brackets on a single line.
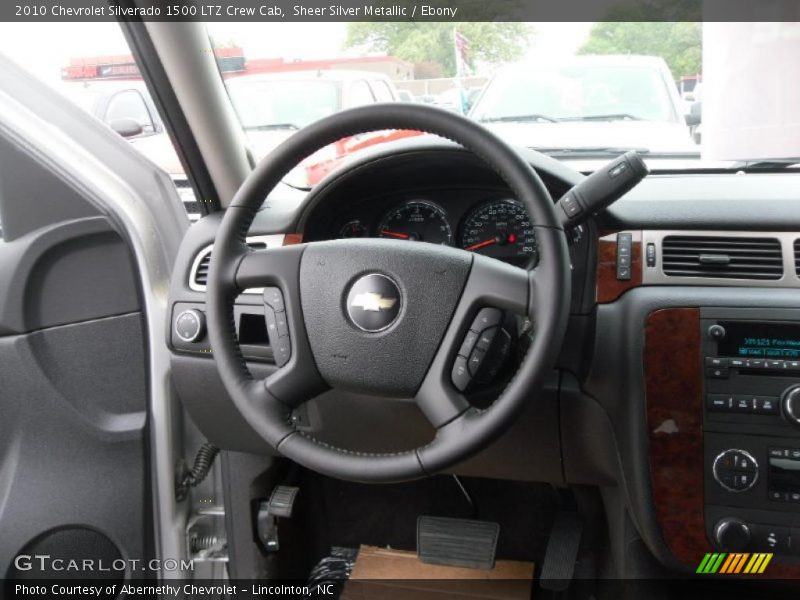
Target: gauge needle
[(480, 245), (402, 236)]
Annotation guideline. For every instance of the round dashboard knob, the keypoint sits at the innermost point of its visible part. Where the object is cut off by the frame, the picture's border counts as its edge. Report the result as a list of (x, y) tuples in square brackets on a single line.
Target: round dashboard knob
[(716, 332), (735, 470), (732, 534), (190, 325), (790, 401)]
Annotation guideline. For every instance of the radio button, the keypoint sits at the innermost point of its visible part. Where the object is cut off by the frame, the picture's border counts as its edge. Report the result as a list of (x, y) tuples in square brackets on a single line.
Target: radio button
[(767, 405), (738, 363), (776, 364), (719, 402), (717, 372), (778, 453), (755, 363), (793, 365), (743, 404), (713, 361)]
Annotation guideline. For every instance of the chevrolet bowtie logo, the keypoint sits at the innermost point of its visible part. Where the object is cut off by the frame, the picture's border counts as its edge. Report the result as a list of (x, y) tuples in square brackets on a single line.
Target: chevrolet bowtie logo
[(373, 302)]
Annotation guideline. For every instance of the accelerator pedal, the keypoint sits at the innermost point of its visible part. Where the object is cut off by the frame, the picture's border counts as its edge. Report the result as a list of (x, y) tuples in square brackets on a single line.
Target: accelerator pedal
[(457, 542), (562, 552)]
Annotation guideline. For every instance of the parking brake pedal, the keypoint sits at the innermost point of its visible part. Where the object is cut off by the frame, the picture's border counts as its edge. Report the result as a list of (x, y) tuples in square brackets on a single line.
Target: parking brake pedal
[(280, 504), (457, 542), (562, 552)]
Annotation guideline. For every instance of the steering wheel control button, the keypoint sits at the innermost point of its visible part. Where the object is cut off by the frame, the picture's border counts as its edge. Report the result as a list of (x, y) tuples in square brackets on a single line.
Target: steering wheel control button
[(274, 297), (735, 470), (374, 302), (282, 351), (461, 377), (475, 361), (486, 338), (487, 317), (190, 325), (468, 344)]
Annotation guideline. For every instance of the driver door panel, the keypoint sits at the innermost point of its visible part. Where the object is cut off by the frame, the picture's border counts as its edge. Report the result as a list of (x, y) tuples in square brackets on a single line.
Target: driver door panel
[(73, 466)]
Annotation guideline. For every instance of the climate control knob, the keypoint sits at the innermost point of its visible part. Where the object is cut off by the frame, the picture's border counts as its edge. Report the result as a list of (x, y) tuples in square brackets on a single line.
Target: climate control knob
[(735, 470), (190, 325), (790, 401), (731, 534)]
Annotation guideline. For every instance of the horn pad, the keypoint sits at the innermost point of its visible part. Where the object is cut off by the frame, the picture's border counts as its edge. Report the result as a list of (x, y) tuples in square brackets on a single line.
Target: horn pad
[(376, 310)]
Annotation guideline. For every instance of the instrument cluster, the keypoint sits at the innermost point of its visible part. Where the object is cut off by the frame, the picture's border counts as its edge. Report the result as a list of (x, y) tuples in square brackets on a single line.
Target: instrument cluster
[(493, 225)]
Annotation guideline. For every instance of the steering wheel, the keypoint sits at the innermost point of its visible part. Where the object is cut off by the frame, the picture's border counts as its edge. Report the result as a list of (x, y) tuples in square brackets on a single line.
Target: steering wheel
[(383, 317)]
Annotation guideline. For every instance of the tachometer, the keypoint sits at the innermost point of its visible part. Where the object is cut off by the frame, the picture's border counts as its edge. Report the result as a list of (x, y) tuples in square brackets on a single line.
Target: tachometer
[(500, 229), (417, 220)]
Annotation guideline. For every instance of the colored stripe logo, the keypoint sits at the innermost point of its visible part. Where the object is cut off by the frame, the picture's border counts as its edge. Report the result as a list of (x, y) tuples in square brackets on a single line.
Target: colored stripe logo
[(728, 564)]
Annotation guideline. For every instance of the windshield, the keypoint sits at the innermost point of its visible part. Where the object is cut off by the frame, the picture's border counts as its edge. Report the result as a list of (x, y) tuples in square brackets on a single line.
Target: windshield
[(605, 92), (282, 104)]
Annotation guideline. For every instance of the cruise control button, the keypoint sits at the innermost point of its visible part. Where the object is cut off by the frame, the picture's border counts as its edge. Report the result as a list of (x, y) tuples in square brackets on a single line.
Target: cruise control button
[(475, 361), (272, 323), (283, 326), (487, 317), (486, 338), (468, 344), (282, 351), (461, 377)]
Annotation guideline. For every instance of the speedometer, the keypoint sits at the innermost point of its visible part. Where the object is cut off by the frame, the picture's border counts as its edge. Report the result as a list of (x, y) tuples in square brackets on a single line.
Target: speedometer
[(500, 229), (417, 220)]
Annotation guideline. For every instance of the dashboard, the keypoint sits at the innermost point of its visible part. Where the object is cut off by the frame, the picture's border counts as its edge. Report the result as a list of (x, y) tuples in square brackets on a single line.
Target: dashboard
[(636, 400), (487, 221)]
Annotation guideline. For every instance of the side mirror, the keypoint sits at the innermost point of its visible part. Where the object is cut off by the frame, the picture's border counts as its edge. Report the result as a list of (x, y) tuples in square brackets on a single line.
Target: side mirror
[(695, 116), (127, 128)]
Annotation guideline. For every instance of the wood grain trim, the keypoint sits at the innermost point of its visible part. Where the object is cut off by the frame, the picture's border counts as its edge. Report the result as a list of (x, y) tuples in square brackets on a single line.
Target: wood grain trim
[(609, 288), (673, 386), (291, 239)]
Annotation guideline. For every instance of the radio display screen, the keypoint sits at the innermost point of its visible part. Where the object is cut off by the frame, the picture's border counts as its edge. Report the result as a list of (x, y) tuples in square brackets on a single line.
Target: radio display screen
[(760, 340)]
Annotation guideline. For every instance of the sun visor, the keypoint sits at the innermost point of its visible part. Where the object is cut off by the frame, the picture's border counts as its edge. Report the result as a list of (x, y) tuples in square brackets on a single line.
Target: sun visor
[(751, 92)]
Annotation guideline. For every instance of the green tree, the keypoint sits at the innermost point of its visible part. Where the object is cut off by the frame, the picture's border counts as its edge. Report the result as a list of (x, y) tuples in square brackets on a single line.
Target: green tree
[(678, 43), (430, 42)]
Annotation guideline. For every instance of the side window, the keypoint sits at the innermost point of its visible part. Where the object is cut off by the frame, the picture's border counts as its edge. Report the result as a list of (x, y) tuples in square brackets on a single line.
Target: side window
[(382, 91), (129, 104), (360, 94)]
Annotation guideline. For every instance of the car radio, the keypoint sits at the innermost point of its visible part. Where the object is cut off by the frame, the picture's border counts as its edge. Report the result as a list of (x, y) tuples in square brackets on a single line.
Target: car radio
[(751, 428)]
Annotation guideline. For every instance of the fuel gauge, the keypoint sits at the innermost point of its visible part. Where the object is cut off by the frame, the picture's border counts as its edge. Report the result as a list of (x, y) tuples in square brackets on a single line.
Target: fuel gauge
[(354, 229)]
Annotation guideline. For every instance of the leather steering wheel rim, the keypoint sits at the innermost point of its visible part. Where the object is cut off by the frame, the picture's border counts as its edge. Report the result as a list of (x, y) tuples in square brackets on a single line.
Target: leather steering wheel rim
[(542, 293)]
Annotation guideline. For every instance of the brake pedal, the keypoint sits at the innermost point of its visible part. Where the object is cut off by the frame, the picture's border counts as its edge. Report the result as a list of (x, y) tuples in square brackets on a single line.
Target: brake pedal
[(457, 542), (562, 552)]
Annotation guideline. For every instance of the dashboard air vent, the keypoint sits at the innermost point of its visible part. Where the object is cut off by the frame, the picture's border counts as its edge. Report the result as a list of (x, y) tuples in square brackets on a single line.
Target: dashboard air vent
[(797, 256), (200, 275), (722, 257)]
